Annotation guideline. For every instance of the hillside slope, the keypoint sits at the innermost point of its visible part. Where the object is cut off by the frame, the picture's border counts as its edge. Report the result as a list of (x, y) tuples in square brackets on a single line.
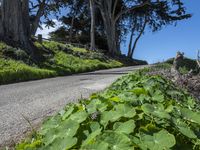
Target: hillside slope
[(56, 59)]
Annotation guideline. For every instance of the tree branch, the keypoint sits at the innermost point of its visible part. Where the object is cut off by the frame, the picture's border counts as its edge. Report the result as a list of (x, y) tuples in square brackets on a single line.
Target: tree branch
[(114, 7), (130, 9)]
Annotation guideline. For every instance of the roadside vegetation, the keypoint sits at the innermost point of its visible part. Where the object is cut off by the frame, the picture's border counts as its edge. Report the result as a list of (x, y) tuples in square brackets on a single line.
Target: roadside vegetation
[(138, 111), (57, 59)]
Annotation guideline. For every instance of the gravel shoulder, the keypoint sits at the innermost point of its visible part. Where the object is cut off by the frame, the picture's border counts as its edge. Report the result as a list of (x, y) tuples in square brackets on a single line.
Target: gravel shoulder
[(35, 100)]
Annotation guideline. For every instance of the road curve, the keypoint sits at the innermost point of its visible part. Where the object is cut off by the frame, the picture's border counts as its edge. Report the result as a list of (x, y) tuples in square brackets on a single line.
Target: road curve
[(36, 100)]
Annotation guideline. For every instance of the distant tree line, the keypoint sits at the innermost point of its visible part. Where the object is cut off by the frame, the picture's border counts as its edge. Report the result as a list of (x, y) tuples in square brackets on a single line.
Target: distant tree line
[(102, 24)]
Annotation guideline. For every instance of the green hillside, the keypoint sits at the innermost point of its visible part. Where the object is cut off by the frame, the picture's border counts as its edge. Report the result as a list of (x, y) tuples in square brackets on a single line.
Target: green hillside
[(56, 59)]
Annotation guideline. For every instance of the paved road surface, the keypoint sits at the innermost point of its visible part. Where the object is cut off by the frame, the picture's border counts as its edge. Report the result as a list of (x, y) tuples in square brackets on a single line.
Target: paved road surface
[(36, 100)]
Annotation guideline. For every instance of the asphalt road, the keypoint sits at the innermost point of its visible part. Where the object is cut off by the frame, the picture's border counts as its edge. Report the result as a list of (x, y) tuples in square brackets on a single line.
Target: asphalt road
[(36, 100)]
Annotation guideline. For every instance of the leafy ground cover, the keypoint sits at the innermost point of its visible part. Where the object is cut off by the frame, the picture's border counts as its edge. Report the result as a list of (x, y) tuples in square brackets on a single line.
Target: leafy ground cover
[(57, 59), (136, 112)]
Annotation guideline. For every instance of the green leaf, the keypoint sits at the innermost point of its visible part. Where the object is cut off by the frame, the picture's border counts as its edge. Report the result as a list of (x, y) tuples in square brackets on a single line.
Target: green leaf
[(155, 110), (68, 128), (158, 96), (116, 141), (158, 141), (92, 106), (79, 116), (126, 127), (97, 145), (125, 110), (190, 115), (139, 91), (50, 123), (67, 113), (94, 126), (109, 116), (91, 137), (63, 143), (115, 99), (184, 129), (128, 97)]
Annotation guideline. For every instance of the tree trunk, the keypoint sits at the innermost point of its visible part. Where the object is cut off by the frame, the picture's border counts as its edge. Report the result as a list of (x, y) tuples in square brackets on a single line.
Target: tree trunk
[(1, 26), (36, 22), (71, 29), (130, 44), (110, 31), (92, 29), (110, 19), (105, 7), (26, 17), (15, 24), (137, 39)]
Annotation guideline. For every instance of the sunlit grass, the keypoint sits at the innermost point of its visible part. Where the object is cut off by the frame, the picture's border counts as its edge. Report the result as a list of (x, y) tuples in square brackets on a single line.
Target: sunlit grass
[(60, 63)]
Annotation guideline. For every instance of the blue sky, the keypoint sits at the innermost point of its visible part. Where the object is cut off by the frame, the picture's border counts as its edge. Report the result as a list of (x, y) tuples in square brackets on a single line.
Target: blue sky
[(164, 44)]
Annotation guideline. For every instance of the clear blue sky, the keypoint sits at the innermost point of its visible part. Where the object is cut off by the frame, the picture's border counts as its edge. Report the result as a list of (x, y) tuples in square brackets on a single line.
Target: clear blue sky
[(164, 44)]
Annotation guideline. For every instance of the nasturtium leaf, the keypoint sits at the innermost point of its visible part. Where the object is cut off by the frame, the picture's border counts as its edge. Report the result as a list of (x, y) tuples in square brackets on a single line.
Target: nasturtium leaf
[(116, 141), (115, 99), (111, 116), (102, 107), (128, 97), (63, 143), (66, 128), (97, 145), (158, 96), (91, 137), (158, 141), (50, 123), (92, 106), (120, 110), (143, 99), (79, 116), (125, 110), (139, 91), (169, 109), (190, 115), (94, 126), (155, 110), (67, 113), (126, 127), (184, 129), (187, 132)]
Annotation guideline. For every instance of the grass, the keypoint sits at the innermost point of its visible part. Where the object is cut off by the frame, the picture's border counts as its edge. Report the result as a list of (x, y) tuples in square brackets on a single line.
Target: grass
[(59, 59), (15, 71), (136, 112)]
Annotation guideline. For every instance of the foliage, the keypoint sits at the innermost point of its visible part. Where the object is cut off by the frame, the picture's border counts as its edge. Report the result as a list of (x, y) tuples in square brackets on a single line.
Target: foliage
[(135, 112), (61, 59), (186, 65)]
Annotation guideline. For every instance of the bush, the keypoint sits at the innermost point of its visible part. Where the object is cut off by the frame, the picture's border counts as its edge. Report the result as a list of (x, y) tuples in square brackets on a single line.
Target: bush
[(187, 63)]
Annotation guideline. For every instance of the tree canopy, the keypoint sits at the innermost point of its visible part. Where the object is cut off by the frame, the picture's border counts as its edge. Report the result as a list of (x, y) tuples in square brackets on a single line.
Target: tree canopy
[(99, 23)]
